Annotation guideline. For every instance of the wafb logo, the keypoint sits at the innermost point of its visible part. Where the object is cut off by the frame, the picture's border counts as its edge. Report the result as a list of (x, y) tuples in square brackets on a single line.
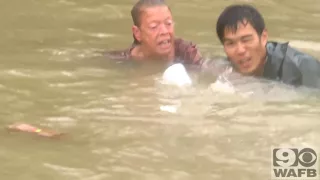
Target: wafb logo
[(294, 163)]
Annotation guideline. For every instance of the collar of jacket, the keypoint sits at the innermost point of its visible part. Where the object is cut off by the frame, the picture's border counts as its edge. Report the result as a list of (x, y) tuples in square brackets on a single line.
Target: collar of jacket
[(276, 54)]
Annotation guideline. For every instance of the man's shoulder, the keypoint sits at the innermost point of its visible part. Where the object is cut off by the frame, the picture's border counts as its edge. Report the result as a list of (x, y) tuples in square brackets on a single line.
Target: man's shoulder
[(298, 56), (288, 52), (296, 63), (308, 65), (181, 44)]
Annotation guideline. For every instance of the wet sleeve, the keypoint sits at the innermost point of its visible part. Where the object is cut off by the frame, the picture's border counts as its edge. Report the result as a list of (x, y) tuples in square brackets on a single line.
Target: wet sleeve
[(191, 53), (310, 70), (195, 54)]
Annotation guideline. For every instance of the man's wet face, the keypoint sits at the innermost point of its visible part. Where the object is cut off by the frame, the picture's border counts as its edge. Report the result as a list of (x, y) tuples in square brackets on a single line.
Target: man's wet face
[(157, 30), (245, 48)]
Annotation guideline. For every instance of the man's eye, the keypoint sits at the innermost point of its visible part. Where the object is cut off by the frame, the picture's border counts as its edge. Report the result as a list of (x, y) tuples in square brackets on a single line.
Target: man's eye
[(153, 26), (229, 43), (169, 23), (246, 39)]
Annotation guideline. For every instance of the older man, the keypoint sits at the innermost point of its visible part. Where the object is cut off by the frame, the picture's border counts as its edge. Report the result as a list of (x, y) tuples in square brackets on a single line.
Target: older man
[(154, 37)]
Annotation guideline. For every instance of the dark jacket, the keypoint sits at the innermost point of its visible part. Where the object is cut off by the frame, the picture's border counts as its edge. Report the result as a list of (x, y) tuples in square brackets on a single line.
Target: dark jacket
[(291, 66)]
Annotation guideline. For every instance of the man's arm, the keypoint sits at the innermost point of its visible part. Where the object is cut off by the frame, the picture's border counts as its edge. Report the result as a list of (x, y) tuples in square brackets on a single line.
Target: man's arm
[(188, 51)]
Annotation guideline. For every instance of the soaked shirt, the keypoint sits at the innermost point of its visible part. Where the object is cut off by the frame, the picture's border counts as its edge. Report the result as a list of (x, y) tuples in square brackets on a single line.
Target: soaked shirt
[(186, 53), (291, 66)]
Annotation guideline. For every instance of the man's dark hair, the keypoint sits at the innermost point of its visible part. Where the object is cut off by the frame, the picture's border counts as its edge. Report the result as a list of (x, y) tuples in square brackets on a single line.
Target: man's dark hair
[(234, 14), (137, 9)]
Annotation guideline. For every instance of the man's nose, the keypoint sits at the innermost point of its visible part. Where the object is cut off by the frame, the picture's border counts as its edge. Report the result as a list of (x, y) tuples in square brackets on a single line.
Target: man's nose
[(163, 29), (241, 49)]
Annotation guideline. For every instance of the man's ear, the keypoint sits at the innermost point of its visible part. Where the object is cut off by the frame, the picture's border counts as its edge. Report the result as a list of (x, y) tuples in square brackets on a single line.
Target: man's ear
[(136, 33), (264, 37)]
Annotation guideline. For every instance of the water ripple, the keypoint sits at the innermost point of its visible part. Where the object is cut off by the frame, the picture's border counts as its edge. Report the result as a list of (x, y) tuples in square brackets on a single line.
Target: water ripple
[(79, 173)]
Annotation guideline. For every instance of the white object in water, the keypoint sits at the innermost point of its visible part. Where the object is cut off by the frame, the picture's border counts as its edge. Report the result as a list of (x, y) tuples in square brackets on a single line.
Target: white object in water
[(176, 74)]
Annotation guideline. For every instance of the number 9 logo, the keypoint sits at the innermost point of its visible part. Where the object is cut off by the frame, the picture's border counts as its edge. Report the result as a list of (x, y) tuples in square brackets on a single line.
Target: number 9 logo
[(286, 157)]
